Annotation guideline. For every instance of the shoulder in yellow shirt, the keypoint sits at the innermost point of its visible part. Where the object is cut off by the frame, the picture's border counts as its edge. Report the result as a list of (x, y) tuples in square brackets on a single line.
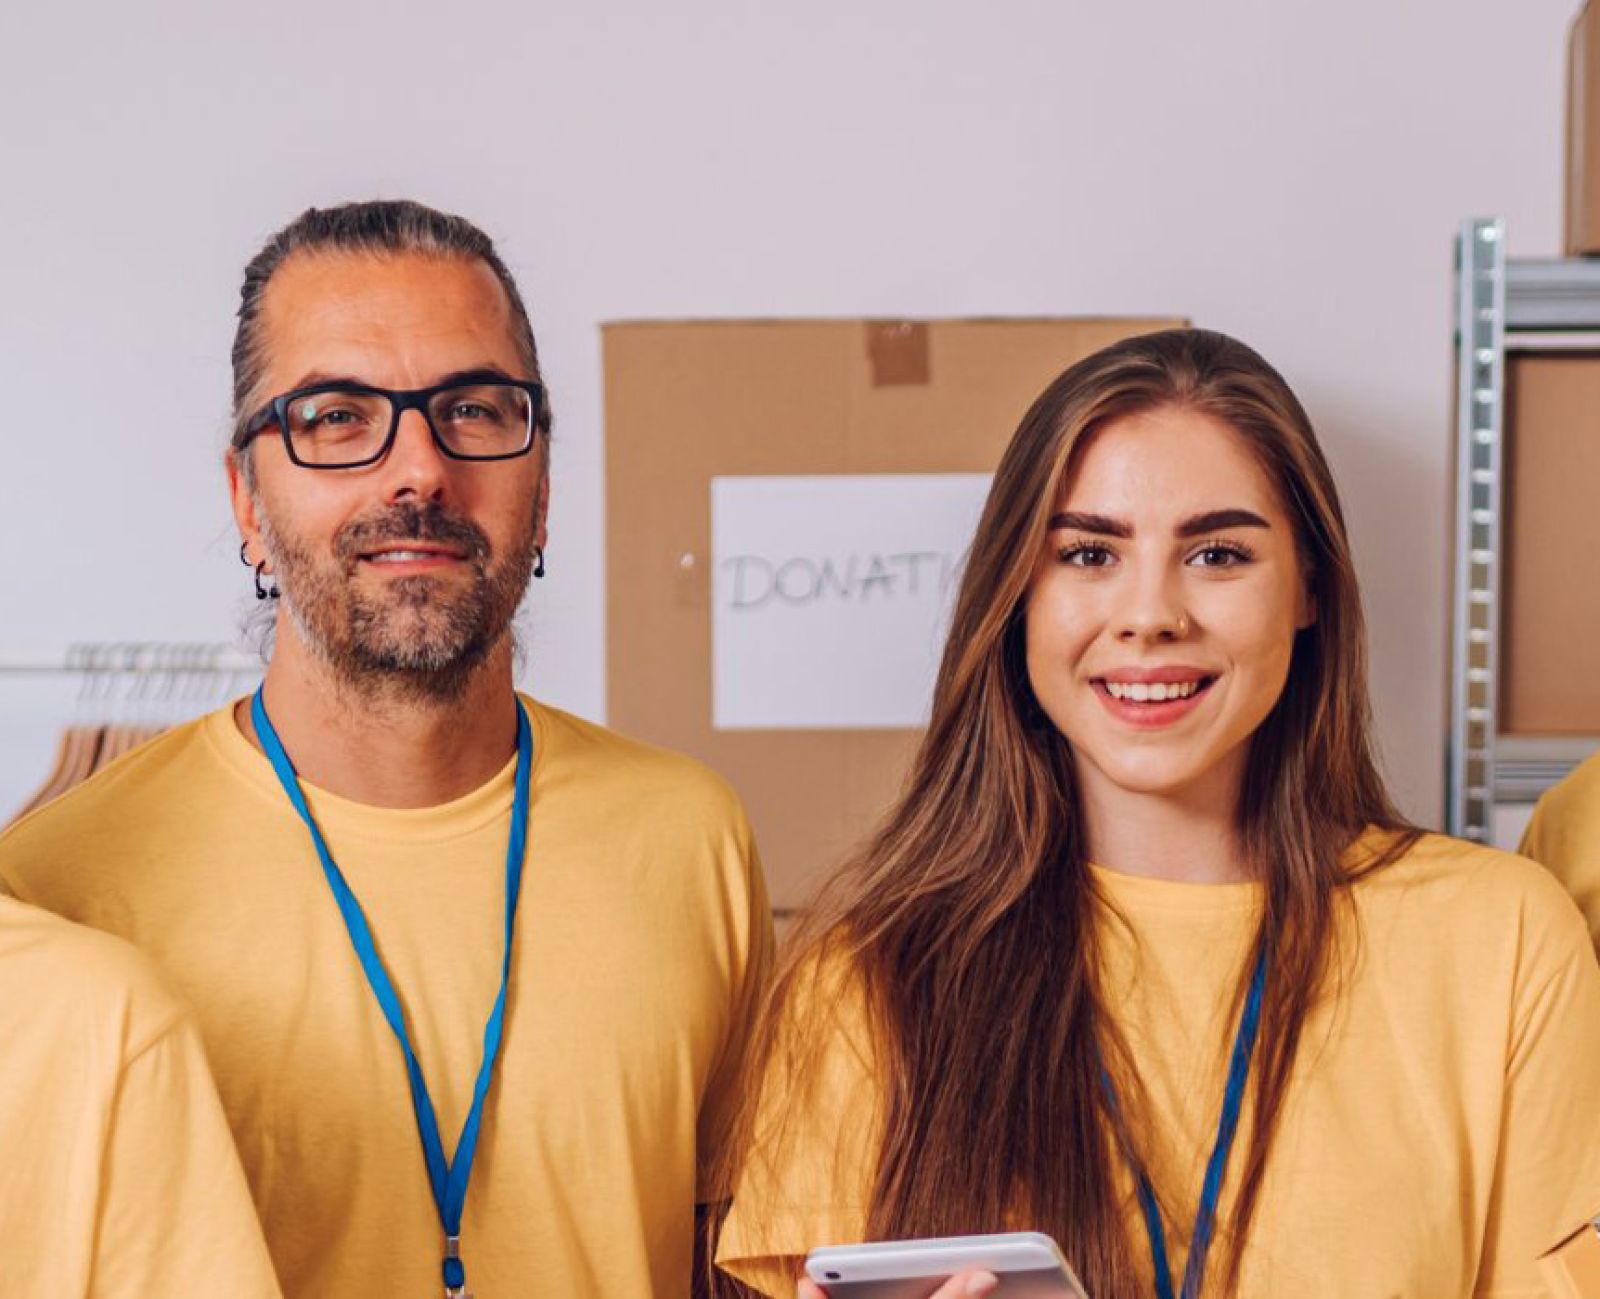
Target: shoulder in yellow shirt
[(1564, 835), (642, 936), (1442, 1127), (118, 1176)]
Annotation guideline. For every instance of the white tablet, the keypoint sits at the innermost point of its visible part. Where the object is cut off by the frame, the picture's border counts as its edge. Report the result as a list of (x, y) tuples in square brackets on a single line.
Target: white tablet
[(1028, 1263)]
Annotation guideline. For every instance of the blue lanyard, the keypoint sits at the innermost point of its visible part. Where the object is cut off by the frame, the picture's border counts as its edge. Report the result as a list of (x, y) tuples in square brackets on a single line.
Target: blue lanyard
[(1244, 1045), (447, 1178)]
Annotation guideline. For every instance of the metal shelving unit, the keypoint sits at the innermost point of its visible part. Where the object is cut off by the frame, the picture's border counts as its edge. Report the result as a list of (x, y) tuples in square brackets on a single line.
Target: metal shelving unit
[(1503, 306)]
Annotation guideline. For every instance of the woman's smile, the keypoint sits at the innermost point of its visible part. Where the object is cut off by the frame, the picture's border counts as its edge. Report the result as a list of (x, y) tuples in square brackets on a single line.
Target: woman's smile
[(1153, 697)]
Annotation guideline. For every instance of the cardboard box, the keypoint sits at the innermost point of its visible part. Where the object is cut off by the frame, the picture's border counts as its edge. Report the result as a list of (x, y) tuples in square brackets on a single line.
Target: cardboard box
[(1582, 234), (1550, 601), (686, 401)]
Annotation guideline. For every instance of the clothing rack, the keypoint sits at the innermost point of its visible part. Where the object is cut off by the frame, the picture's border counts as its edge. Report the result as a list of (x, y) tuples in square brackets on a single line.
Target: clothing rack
[(147, 681), (127, 693), (134, 658)]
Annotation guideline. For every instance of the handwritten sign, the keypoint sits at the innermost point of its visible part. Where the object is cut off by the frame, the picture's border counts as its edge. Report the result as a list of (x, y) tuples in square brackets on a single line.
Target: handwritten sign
[(831, 596)]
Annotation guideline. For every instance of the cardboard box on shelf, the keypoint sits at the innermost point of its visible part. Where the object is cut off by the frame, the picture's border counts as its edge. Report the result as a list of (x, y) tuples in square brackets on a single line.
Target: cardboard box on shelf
[(1582, 235), (687, 402), (1550, 604)]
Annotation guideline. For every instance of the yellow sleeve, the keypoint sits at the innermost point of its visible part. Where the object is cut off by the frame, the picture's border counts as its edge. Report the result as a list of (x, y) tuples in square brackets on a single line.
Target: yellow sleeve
[(1564, 837), (1532, 845), (175, 1214), (1547, 1178), (724, 1092), (807, 1179)]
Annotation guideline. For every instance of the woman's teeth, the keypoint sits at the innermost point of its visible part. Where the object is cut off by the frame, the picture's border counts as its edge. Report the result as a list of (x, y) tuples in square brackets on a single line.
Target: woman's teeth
[(1154, 692)]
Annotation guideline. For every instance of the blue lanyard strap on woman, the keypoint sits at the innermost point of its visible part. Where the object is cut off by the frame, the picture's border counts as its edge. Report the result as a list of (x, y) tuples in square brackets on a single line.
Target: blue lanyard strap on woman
[(1244, 1045), (447, 1178)]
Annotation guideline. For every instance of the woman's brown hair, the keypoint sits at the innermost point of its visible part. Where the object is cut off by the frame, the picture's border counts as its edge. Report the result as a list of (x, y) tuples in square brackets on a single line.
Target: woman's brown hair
[(969, 918)]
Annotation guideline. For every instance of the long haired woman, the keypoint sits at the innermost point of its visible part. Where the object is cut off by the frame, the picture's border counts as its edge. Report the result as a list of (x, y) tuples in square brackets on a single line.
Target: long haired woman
[(1144, 957)]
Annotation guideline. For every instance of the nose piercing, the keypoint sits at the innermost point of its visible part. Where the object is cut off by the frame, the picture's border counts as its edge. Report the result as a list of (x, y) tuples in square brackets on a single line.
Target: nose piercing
[(1183, 624)]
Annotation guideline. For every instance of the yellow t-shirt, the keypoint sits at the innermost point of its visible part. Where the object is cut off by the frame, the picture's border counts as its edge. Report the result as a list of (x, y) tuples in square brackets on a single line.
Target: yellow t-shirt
[(1564, 835), (117, 1173), (641, 937), (1442, 1126)]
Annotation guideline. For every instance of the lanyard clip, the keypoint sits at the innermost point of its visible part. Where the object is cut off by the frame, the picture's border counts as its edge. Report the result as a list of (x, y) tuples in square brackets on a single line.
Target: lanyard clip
[(455, 1276)]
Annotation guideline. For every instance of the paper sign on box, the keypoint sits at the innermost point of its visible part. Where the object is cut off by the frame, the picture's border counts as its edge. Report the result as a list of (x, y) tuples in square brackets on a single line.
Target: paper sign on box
[(831, 595), (690, 401)]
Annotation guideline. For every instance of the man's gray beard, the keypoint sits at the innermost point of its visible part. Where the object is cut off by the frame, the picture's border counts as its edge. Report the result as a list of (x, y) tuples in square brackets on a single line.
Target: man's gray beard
[(415, 643)]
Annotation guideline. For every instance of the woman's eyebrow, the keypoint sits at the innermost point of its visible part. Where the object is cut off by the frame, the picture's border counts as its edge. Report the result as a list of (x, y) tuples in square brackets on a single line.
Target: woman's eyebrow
[(1217, 520), (1195, 526), (1100, 523)]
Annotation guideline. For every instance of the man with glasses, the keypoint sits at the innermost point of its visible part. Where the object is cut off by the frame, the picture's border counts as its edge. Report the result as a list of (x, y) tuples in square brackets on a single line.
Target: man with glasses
[(474, 975)]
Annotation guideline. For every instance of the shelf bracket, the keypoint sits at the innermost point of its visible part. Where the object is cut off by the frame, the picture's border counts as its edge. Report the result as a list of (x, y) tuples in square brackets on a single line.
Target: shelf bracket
[(1475, 617)]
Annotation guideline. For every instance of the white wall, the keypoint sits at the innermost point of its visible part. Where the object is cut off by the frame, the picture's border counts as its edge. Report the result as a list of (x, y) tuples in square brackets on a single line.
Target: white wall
[(1288, 172)]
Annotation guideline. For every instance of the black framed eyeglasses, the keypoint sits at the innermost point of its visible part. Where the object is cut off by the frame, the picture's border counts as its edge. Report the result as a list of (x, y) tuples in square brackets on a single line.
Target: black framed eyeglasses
[(345, 425)]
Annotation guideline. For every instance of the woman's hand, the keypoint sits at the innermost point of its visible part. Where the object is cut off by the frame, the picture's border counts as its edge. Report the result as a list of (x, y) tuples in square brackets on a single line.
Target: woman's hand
[(963, 1285)]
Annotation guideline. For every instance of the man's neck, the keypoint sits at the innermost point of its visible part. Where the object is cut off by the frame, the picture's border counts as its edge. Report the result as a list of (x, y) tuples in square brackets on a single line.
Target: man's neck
[(388, 750), (1188, 835)]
